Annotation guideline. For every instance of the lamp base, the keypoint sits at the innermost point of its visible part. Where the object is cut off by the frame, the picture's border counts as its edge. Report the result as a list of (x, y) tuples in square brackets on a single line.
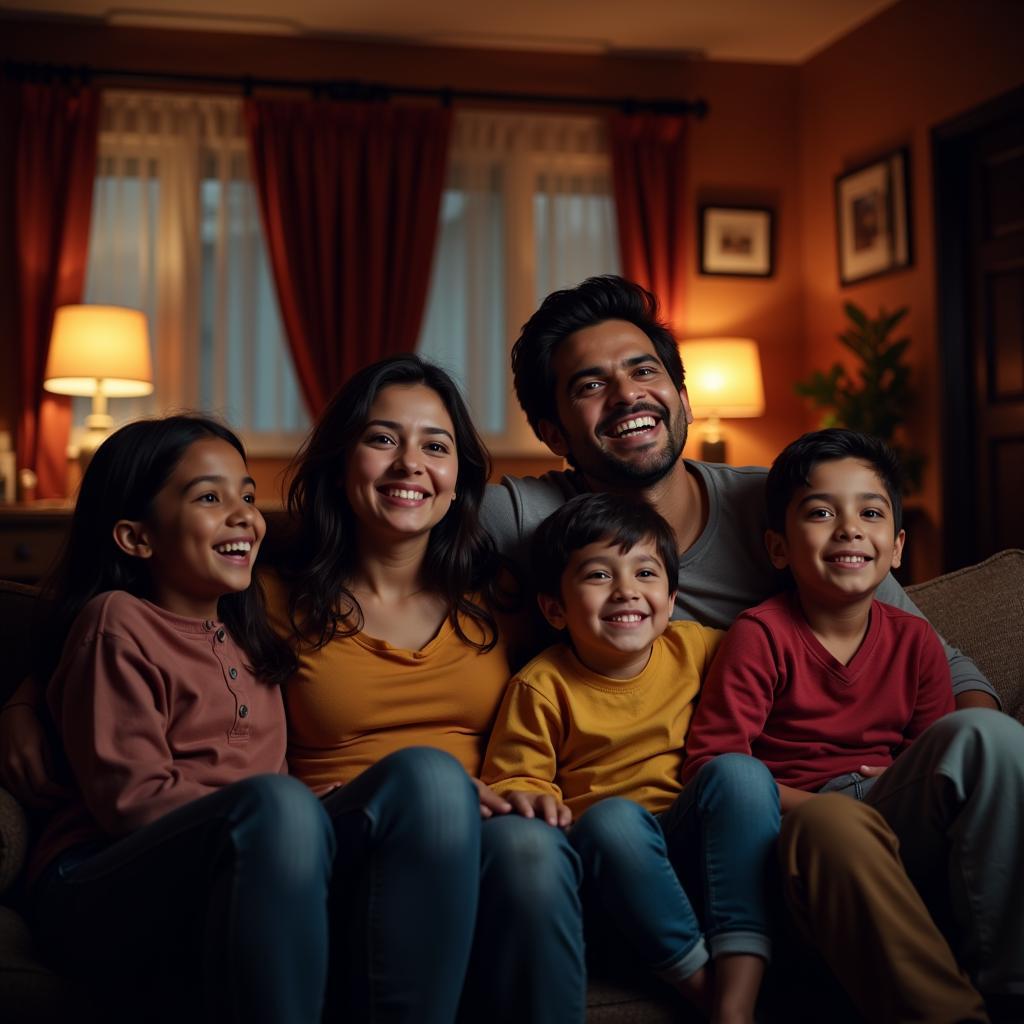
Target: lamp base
[(98, 427), (712, 451)]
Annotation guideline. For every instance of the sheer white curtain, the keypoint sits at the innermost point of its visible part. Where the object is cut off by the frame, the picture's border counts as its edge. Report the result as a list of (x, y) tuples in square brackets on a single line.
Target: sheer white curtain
[(527, 209), (176, 233)]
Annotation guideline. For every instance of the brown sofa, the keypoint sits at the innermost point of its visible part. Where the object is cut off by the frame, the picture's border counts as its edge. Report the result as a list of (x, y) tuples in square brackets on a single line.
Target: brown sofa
[(980, 609)]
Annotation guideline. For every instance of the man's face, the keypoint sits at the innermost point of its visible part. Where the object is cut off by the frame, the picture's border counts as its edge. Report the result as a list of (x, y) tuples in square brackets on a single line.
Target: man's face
[(620, 418)]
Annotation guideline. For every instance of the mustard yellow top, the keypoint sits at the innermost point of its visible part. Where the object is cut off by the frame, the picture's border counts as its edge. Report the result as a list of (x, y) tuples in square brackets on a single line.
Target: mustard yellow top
[(358, 699), (580, 736)]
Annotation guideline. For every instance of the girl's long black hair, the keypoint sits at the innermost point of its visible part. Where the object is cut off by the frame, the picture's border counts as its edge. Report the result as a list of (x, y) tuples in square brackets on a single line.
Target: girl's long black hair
[(123, 478), (460, 560)]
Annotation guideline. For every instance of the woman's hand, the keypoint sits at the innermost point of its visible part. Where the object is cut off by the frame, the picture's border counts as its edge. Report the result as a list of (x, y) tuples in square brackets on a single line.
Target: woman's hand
[(26, 764), (490, 802), (541, 805)]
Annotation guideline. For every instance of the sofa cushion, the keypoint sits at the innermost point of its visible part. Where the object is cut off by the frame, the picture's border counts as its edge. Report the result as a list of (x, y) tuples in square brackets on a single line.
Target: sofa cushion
[(980, 609)]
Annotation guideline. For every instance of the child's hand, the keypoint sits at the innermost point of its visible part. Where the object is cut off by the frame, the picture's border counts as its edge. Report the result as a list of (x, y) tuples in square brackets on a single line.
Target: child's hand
[(871, 772), (541, 805), (490, 802)]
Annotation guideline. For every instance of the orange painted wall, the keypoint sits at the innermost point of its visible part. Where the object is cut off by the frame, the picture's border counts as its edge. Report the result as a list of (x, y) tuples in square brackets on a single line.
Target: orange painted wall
[(887, 84)]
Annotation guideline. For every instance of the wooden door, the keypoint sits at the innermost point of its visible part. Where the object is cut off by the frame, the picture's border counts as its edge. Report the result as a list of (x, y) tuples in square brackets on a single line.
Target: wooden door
[(979, 191), (997, 332)]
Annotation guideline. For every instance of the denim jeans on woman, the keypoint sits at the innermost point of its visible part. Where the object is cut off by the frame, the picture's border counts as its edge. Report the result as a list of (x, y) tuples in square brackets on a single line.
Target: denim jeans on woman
[(420, 883), (694, 877)]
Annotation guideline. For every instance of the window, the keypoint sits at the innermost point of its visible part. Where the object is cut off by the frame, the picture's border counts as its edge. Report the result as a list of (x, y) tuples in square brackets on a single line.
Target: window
[(176, 232), (527, 209)]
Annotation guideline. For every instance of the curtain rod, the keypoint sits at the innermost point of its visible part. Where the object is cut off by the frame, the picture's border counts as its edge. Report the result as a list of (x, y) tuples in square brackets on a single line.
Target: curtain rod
[(351, 89)]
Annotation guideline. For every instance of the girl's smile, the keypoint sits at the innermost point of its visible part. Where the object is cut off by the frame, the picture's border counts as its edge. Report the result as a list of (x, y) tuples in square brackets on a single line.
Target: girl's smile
[(203, 531)]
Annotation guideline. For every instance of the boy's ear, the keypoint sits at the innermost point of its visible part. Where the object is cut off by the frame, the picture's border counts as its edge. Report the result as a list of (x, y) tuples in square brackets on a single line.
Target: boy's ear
[(778, 553), (552, 610), (132, 537), (551, 434), (897, 548)]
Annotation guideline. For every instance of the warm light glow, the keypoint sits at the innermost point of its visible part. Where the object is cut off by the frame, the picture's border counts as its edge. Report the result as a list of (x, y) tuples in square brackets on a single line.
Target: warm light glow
[(99, 350), (723, 377)]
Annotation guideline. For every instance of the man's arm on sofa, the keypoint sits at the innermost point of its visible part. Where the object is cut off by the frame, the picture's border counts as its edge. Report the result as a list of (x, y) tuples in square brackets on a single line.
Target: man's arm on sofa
[(970, 687)]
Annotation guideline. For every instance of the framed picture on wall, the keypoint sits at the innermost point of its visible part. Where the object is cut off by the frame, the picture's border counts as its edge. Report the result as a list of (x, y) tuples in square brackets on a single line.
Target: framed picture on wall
[(873, 218), (736, 241)]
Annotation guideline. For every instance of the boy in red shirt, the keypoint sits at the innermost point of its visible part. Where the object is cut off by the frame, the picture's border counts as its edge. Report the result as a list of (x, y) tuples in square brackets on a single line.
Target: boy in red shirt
[(830, 687)]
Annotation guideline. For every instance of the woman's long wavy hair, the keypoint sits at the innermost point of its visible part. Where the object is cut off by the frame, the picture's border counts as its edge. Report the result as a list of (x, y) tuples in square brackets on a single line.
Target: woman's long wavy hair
[(460, 559), (125, 475)]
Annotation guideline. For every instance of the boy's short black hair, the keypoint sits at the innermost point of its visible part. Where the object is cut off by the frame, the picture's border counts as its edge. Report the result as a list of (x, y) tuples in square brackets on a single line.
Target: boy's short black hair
[(792, 469), (565, 312), (589, 518)]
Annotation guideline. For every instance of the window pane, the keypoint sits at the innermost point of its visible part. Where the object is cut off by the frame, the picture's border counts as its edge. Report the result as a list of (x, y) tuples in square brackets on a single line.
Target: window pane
[(463, 328), (176, 233)]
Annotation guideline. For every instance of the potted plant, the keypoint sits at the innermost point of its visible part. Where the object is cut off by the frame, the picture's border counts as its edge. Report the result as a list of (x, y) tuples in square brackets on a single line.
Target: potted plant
[(876, 398)]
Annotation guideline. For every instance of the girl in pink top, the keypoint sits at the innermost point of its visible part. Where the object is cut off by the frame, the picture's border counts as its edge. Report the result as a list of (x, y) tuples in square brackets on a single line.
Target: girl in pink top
[(186, 856)]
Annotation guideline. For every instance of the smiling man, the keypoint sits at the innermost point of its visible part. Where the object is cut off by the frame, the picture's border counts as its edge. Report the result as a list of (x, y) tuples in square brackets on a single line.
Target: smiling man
[(600, 380)]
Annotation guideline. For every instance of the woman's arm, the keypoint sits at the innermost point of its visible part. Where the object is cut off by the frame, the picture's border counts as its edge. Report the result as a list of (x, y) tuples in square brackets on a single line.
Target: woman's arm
[(27, 768)]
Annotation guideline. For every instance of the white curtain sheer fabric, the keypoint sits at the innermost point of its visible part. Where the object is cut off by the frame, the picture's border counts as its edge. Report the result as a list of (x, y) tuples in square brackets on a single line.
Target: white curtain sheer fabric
[(527, 209), (176, 233)]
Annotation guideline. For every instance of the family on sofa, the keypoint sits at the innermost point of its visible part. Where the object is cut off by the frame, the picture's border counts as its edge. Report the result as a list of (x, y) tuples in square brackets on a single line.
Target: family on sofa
[(438, 875)]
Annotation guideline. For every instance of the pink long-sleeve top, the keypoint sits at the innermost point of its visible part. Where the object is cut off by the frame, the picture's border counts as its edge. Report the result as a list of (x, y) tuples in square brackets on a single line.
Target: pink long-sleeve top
[(154, 710)]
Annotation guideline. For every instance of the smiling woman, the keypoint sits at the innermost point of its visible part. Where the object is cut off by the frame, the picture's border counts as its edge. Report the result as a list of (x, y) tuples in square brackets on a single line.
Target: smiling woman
[(387, 596)]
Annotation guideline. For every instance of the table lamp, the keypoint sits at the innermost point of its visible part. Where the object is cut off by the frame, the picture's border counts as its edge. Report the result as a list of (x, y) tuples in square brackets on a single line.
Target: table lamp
[(103, 352), (723, 381)]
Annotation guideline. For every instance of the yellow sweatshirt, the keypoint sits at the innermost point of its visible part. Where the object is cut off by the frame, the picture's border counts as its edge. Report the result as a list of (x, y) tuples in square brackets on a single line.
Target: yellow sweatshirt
[(581, 737)]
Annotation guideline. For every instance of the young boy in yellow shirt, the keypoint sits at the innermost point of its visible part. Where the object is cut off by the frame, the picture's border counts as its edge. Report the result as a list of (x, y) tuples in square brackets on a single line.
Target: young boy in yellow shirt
[(593, 730)]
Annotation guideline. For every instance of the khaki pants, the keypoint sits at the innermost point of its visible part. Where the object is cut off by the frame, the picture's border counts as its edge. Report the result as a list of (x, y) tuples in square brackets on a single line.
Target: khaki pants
[(850, 895)]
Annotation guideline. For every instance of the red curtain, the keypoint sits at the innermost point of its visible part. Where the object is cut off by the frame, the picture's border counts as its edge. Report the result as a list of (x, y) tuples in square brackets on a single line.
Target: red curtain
[(350, 195), (55, 164), (648, 165)]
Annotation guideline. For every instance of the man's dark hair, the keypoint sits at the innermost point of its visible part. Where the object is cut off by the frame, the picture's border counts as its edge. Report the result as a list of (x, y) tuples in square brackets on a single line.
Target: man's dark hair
[(563, 313), (589, 518), (792, 469)]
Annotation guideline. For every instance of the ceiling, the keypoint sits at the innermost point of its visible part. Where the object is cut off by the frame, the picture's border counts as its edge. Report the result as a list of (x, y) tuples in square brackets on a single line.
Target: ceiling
[(782, 31)]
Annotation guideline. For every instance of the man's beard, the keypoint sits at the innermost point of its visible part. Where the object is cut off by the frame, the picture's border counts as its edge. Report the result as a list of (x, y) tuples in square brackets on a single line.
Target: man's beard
[(642, 473)]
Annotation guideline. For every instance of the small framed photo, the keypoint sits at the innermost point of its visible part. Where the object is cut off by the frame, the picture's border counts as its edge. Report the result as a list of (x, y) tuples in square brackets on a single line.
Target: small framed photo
[(736, 241), (873, 218)]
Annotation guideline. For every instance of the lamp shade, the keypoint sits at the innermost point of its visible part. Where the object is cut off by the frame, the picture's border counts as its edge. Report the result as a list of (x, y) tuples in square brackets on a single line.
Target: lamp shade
[(99, 350), (723, 377)]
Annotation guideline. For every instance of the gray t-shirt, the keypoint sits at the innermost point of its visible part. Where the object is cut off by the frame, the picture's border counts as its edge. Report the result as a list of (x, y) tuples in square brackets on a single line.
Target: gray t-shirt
[(725, 571)]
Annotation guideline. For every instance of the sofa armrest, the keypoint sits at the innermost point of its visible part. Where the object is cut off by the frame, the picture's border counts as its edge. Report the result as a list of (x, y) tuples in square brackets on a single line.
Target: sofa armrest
[(13, 839), (980, 609)]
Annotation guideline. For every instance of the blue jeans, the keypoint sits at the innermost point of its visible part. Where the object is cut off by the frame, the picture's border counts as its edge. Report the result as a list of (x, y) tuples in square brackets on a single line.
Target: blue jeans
[(420, 883), (217, 911), (528, 960), (404, 894), (707, 858)]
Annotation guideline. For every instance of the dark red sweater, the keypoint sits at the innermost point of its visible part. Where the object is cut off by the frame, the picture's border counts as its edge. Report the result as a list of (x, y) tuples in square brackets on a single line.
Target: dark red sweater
[(773, 691)]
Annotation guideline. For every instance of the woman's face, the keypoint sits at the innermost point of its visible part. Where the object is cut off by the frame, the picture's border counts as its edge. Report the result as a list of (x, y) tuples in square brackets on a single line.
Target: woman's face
[(401, 474)]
